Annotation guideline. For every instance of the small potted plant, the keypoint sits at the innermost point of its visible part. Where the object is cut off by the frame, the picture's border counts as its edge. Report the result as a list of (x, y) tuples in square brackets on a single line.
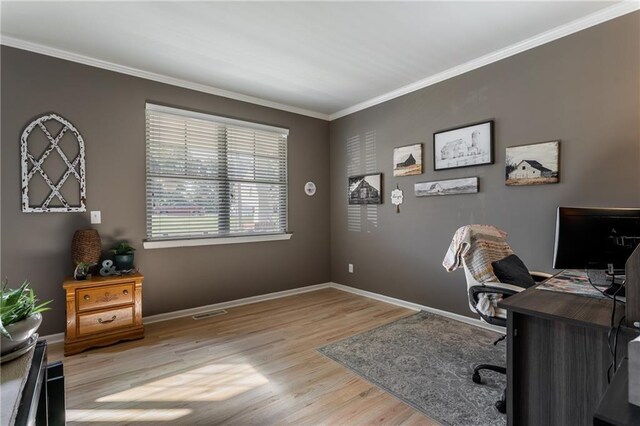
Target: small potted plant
[(123, 256), (82, 270), (19, 316)]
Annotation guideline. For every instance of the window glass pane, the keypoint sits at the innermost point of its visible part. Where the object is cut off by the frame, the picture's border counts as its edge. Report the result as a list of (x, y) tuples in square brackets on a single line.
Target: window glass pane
[(183, 207), (257, 208)]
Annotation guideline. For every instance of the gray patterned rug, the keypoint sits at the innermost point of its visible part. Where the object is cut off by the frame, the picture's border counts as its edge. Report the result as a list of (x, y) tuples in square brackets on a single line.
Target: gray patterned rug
[(427, 361)]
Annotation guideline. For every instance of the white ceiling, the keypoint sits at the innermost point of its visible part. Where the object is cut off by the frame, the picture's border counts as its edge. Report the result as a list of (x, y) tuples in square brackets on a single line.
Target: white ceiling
[(321, 59)]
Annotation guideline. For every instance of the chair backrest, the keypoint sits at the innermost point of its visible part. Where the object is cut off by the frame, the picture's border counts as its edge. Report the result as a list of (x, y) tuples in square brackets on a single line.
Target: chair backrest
[(482, 244)]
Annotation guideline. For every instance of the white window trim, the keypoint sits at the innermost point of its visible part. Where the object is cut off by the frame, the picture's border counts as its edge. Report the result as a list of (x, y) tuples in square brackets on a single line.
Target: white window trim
[(195, 242), (215, 118), (156, 244)]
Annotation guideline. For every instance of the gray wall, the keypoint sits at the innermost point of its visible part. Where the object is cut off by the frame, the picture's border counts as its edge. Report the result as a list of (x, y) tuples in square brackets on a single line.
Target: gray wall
[(583, 89), (108, 110)]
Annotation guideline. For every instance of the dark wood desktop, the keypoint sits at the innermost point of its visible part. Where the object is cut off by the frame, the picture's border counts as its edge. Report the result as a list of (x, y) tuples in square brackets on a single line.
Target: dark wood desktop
[(557, 356)]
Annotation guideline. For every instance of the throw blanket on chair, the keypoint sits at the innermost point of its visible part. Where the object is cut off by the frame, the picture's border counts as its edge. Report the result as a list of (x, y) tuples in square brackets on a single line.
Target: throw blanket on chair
[(476, 246)]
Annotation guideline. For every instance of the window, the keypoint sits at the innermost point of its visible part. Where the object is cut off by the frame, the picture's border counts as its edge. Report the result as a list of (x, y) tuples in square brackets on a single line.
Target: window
[(210, 177)]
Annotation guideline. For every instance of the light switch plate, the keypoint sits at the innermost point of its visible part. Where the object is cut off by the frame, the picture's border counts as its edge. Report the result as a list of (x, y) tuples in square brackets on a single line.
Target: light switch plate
[(96, 217), (351, 268)]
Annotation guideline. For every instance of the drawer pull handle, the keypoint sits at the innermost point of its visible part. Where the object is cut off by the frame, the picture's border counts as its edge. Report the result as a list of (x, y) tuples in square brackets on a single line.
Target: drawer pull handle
[(113, 318), (125, 292), (87, 297)]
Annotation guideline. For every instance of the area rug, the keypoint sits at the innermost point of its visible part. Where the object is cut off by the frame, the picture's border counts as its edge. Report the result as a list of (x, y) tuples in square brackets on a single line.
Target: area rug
[(427, 361)]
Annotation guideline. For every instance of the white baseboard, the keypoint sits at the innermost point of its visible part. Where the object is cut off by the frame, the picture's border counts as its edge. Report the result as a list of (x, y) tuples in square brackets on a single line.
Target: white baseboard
[(417, 307), (59, 337), (233, 303)]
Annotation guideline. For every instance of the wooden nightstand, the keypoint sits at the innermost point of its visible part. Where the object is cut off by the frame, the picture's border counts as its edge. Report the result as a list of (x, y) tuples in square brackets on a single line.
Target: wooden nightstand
[(102, 311)]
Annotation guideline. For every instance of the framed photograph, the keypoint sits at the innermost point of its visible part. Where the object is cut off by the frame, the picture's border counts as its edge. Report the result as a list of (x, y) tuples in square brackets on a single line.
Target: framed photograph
[(470, 145), (407, 160), (365, 189), (467, 185), (534, 164)]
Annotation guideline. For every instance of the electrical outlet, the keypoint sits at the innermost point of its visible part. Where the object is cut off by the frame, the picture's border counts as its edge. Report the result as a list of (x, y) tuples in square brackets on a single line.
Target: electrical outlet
[(96, 217), (351, 268)]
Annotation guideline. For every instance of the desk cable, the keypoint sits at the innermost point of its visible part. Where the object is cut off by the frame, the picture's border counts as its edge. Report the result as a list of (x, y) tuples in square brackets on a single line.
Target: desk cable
[(613, 329)]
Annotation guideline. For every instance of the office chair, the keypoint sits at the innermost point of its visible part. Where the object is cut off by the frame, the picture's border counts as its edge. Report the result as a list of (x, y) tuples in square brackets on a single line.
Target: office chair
[(475, 248)]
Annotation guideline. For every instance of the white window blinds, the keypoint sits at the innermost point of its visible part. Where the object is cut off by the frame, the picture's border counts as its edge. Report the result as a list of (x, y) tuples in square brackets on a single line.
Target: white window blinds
[(211, 176)]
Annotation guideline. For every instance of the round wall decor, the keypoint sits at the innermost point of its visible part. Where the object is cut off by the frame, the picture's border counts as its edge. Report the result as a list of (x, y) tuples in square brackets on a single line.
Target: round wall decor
[(310, 188)]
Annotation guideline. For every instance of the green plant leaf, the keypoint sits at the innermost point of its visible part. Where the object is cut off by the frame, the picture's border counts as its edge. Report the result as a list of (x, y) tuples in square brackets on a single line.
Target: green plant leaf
[(4, 331), (18, 304)]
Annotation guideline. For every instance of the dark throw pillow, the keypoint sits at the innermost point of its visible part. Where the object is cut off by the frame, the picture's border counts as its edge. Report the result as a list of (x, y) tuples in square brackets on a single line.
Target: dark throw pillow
[(511, 270)]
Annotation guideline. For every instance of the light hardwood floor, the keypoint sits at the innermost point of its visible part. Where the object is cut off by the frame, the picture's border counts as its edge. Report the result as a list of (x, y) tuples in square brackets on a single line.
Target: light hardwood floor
[(257, 364)]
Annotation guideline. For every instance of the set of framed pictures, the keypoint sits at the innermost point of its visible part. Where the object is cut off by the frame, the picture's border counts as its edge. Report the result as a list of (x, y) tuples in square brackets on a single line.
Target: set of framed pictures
[(466, 146)]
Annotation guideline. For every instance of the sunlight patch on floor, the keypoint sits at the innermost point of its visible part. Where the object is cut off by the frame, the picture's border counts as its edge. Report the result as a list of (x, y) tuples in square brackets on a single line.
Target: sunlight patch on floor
[(126, 415), (216, 382)]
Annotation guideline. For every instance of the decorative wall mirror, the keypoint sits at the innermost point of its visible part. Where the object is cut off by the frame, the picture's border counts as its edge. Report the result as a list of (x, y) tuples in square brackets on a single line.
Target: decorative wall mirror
[(51, 182)]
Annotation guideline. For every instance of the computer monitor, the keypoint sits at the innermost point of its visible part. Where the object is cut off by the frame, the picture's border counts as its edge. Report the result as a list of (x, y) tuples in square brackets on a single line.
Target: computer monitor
[(595, 238)]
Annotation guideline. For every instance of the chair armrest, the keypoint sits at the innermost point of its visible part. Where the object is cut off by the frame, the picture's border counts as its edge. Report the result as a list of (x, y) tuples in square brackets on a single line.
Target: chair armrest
[(503, 288), (539, 276)]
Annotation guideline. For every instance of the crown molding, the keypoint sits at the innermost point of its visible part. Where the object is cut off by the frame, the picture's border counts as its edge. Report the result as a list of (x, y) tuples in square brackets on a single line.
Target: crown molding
[(619, 9), (111, 66), (606, 14)]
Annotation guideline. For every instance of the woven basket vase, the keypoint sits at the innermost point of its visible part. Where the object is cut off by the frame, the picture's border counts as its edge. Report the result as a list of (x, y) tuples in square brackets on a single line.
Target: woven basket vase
[(85, 246)]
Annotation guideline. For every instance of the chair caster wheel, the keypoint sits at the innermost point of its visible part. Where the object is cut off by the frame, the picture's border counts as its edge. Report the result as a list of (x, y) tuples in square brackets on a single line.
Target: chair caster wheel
[(501, 406), (476, 378)]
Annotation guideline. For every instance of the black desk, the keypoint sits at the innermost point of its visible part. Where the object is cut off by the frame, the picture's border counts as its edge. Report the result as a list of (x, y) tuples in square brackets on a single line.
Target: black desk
[(42, 401), (33, 403), (614, 408), (557, 356)]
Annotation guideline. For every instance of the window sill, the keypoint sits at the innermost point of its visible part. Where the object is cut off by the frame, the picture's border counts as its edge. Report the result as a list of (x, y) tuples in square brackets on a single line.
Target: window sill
[(215, 241)]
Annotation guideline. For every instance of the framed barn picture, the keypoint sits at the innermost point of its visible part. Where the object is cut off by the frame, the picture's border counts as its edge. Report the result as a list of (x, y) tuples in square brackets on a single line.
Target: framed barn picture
[(407, 160), (534, 164), (470, 145), (365, 189), (468, 185)]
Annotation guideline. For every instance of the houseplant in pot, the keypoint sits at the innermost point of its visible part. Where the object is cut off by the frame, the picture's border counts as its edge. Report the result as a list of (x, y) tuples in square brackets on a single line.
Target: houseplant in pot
[(82, 270), (123, 256), (19, 316)]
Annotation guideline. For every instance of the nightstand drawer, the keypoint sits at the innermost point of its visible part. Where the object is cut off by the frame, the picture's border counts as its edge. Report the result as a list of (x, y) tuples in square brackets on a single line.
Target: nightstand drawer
[(104, 296), (106, 320)]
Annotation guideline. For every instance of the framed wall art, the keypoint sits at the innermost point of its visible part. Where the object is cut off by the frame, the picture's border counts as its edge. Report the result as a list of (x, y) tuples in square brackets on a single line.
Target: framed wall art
[(48, 140), (407, 160), (467, 185), (466, 146), (365, 189), (533, 164)]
